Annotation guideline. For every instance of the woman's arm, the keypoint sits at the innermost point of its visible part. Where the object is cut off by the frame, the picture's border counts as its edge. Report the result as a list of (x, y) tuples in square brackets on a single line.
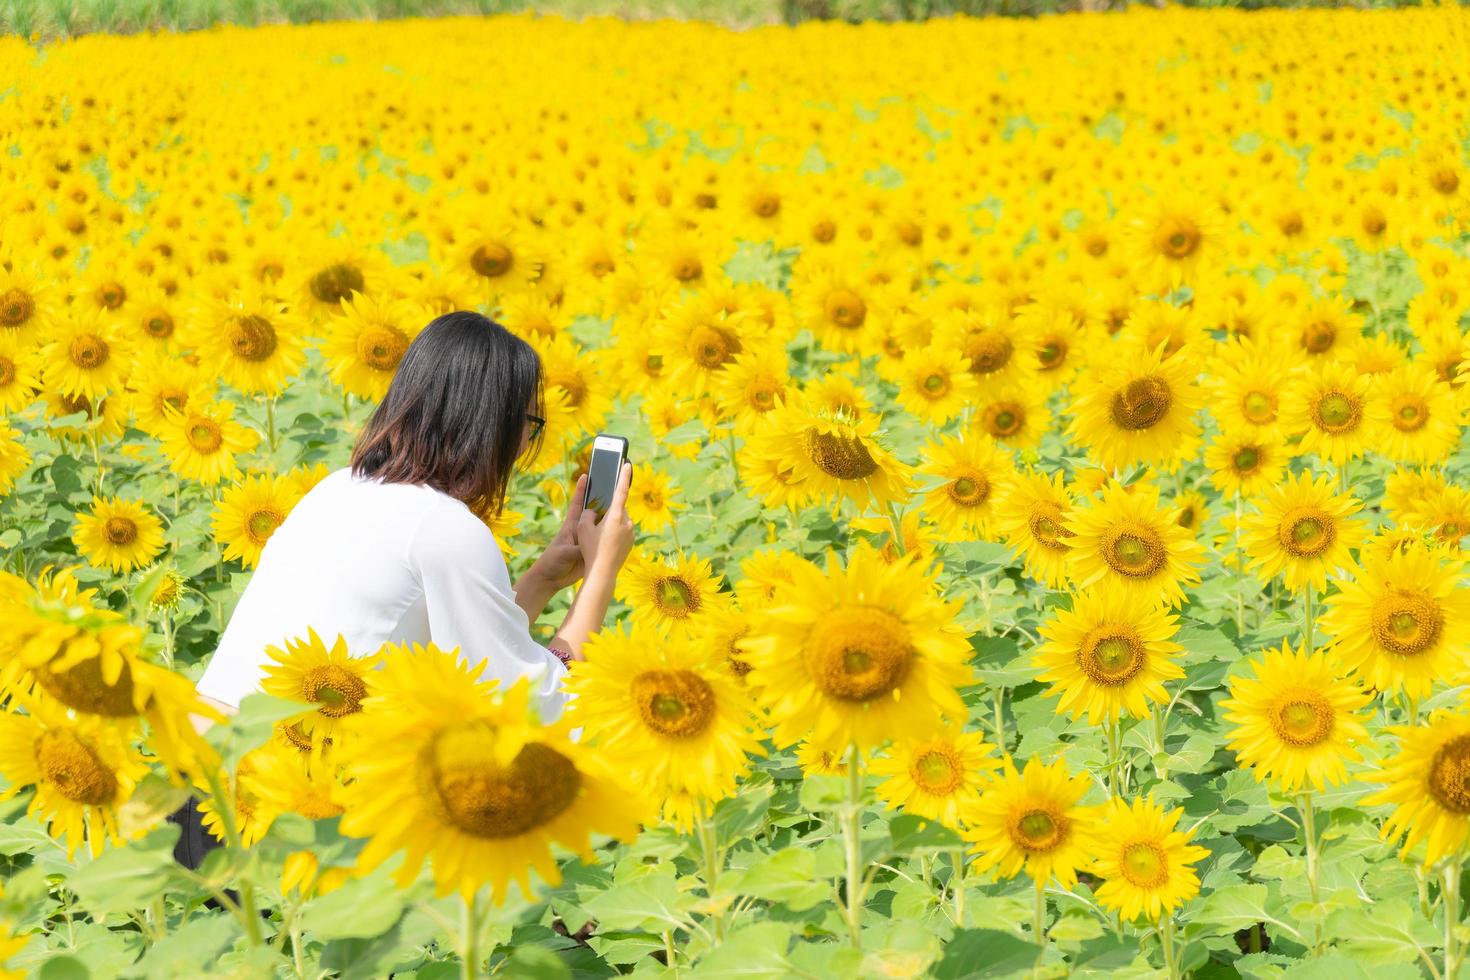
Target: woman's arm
[(605, 545)]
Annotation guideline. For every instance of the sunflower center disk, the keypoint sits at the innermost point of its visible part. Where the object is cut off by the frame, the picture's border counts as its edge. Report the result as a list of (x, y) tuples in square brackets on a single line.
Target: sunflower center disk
[(334, 689), (1409, 414), (1046, 526), (1259, 407), (1177, 238), (840, 457), (1406, 623), (1052, 354), (846, 309), (7, 371), (675, 703), (1133, 550), (1038, 830), (1449, 775), (860, 654), (16, 308), (74, 768), (1337, 411), (381, 348), (938, 771), (970, 490), (262, 524), (1319, 337), (1302, 718), (676, 598), (1005, 420), (336, 282), (88, 351), (1111, 655), (472, 793), (1141, 404), (1145, 865), (82, 688), (205, 436), (120, 531), (712, 347), (989, 351), (935, 386), (492, 260), (158, 325), (1306, 532), (1246, 460)]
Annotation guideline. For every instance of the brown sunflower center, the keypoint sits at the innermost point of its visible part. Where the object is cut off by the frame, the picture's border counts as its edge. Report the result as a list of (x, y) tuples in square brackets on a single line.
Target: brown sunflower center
[(845, 309), (1306, 532), (1409, 413), (1052, 354), (251, 338), (861, 654), (1144, 864), (677, 598), (262, 523), (824, 231), (468, 791), (8, 371), (335, 690), (1177, 238), (938, 770), (1406, 622), (1134, 550), (336, 282), (1141, 403), (989, 350), (158, 324), (711, 347), (88, 351), (970, 490), (934, 386), (111, 295), (842, 457), (1111, 655), (675, 703), (204, 435), (120, 531), (1246, 460), (1444, 179), (1449, 775), (16, 308), (74, 768), (83, 688), (1337, 411), (1302, 718), (1045, 522), (1319, 336), (1038, 830), (382, 347), (1004, 419)]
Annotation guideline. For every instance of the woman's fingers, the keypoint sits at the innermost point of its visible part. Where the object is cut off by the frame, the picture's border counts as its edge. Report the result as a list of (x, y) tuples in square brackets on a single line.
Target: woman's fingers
[(620, 495), (574, 508)]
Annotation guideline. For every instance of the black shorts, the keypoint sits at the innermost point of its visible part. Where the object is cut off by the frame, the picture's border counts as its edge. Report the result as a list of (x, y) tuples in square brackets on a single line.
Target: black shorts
[(195, 841)]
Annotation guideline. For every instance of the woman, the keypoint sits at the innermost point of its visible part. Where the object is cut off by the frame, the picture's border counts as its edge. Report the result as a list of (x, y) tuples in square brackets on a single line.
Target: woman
[(390, 549)]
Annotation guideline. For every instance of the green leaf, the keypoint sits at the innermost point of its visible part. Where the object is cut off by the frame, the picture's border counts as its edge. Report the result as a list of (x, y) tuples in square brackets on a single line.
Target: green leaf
[(1238, 907), (652, 903), (26, 836), (251, 726), (63, 968), (911, 834), (788, 876), (1387, 932), (756, 951), (975, 953), (128, 877), (188, 950), (153, 799), (361, 909), (536, 963)]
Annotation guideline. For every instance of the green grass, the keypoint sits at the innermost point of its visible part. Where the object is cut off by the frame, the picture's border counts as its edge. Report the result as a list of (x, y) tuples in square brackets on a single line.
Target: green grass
[(50, 19)]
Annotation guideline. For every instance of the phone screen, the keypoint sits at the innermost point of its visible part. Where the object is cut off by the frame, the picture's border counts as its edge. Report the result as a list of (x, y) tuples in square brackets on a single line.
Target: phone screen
[(602, 478)]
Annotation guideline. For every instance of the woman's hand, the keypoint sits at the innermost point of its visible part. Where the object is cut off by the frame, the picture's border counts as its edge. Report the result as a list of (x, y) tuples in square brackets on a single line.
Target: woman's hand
[(605, 544), (561, 563)]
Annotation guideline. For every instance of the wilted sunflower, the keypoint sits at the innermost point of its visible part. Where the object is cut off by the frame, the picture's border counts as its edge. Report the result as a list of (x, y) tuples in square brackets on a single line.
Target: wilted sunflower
[(1146, 863), (1033, 516), (249, 512), (87, 357), (1403, 621), (937, 777), (250, 340), (671, 594), (976, 474), (1303, 532), (669, 716), (82, 771), (1334, 411), (443, 772), (202, 441), (334, 680), (364, 345), (1428, 782), (1296, 719), (1126, 537), (1109, 653), (1032, 821), (118, 534), (1138, 410), (857, 653)]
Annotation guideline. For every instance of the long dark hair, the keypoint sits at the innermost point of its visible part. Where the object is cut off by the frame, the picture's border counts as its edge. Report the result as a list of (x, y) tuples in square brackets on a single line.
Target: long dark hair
[(454, 413)]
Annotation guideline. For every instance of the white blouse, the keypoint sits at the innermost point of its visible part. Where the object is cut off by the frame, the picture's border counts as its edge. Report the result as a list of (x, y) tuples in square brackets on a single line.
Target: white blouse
[(382, 562)]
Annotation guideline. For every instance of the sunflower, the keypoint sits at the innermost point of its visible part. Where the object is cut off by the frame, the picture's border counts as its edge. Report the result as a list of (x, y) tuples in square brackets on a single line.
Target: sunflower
[(87, 356), (1302, 532), (1015, 416), (999, 347), (364, 345), (1032, 820), (1033, 516), (250, 341), (333, 680), (1334, 411), (14, 457), (839, 308), (672, 718), (1125, 536), (834, 456), (1428, 783), (935, 384), (1423, 421), (281, 779), (1403, 621), (201, 442), (1295, 720), (444, 772), (854, 654), (653, 499), (160, 382), (249, 512), (1248, 382), (251, 820), (672, 595), (1175, 236), (1138, 410), (118, 534), (1110, 653), (82, 771), (333, 271), (576, 374), (1244, 463), (27, 302), (751, 386), (975, 474), (20, 373), (1146, 863), (698, 339), (938, 777)]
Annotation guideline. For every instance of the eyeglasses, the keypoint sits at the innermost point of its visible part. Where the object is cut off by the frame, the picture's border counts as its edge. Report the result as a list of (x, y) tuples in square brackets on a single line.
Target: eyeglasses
[(537, 424)]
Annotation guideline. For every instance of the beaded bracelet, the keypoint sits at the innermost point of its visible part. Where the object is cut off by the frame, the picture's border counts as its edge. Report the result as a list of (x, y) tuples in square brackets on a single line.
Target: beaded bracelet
[(565, 656)]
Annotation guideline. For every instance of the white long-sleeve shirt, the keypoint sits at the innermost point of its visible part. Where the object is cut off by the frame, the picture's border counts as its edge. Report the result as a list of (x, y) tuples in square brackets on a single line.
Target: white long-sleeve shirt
[(379, 562)]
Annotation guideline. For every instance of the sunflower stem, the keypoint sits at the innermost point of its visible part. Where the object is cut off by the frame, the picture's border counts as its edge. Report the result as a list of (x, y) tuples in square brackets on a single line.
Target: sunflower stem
[(1038, 918), (896, 520), (1311, 620), (270, 423), (1309, 835), (709, 842), (852, 823), (1452, 951), (1161, 725), (999, 697), (469, 958), (1166, 939), (671, 959), (1114, 763), (957, 885), (1240, 571)]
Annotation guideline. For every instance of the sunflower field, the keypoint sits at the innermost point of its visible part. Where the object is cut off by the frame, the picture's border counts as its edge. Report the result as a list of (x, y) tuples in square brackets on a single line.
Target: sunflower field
[(1049, 476)]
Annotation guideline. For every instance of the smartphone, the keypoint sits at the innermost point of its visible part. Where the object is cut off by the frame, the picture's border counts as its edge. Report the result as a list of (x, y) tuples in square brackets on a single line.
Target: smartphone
[(608, 454)]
